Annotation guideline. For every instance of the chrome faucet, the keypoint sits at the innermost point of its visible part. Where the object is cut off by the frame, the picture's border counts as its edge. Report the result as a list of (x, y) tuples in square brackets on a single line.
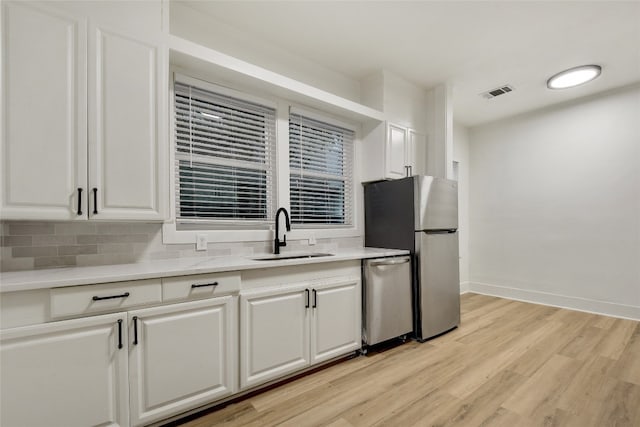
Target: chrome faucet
[(276, 242)]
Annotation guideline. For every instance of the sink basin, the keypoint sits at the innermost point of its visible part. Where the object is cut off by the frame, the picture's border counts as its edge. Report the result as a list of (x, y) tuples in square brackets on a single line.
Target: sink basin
[(291, 256)]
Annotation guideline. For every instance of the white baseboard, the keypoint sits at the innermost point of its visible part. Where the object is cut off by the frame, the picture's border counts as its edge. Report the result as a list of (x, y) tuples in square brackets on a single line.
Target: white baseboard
[(573, 303), (464, 287)]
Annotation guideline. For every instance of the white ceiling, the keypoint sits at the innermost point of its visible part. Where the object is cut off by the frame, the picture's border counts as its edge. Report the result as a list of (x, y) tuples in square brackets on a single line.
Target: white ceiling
[(473, 45)]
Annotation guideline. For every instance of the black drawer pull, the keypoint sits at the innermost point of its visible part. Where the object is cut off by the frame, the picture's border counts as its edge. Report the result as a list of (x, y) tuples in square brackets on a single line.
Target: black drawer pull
[(135, 330), (204, 285), (95, 201), (79, 201), (306, 291), (96, 298), (315, 299), (119, 333)]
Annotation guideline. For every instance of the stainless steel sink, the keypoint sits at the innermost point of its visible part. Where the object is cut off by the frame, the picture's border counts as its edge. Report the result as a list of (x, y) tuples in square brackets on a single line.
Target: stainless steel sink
[(291, 256)]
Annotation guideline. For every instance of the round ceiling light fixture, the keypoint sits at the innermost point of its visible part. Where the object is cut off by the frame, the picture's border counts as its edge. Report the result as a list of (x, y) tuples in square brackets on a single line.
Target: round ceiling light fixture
[(574, 76)]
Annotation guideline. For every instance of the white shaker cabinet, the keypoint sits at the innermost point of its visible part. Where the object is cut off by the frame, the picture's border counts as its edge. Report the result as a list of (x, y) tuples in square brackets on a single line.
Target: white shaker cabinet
[(416, 152), (181, 356), (127, 136), (44, 113), (392, 151), (72, 153), (274, 333), (396, 152), (288, 328), (336, 321), (68, 373)]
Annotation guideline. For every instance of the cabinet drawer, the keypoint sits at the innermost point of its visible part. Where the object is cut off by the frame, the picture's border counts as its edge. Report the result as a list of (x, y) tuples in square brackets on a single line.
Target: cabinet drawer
[(77, 300), (199, 286)]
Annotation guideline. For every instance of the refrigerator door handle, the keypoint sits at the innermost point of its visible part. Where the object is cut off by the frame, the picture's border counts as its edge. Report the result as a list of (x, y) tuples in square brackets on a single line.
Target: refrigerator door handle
[(443, 231), (392, 261)]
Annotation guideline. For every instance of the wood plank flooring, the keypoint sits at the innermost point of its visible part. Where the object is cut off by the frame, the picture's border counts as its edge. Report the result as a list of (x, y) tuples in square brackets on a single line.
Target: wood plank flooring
[(508, 364)]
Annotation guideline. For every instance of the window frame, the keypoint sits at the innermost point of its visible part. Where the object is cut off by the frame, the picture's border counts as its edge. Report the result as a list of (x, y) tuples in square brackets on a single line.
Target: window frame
[(325, 118), (221, 223), (172, 234)]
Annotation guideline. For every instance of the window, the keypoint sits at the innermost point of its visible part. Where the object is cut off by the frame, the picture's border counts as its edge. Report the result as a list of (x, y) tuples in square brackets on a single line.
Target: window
[(229, 179), (320, 167), (225, 157)]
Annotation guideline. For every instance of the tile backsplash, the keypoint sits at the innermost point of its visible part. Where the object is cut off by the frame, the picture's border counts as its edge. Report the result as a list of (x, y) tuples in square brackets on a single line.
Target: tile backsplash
[(34, 245)]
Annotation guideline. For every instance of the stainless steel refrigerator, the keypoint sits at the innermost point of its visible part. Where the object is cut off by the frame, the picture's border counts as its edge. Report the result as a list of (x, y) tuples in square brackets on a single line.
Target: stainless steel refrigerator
[(420, 214)]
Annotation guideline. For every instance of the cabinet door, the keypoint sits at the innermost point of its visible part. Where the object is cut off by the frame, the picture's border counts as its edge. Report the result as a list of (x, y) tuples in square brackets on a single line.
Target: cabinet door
[(69, 373), (44, 143), (336, 323), (415, 155), (127, 136), (395, 149), (274, 334), (182, 356)]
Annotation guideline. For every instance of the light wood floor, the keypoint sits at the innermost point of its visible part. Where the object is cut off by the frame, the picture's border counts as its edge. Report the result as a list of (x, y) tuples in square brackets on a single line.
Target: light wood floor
[(509, 364)]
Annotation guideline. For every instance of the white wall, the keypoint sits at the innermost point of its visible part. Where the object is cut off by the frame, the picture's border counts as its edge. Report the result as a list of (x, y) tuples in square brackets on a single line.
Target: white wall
[(404, 103), (216, 34), (555, 205), (439, 122), (461, 156)]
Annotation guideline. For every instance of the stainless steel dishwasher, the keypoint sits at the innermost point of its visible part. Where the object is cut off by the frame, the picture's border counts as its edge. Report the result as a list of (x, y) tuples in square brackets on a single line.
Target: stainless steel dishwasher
[(386, 299)]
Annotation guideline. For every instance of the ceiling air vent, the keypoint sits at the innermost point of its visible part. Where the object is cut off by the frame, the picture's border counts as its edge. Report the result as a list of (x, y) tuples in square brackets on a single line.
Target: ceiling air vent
[(497, 91)]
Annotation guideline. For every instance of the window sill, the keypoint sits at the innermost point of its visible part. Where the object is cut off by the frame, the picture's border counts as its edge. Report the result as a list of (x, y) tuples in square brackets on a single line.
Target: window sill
[(172, 236)]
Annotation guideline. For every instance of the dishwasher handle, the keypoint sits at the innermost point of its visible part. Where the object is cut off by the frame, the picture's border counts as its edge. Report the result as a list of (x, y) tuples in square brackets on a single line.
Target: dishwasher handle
[(390, 261)]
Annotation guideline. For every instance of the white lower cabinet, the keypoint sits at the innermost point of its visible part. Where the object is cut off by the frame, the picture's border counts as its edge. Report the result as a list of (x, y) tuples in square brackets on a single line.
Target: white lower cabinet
[(142, 365), (181, 356), (336, 323), (288, 328), (274, 333), (68, 373)]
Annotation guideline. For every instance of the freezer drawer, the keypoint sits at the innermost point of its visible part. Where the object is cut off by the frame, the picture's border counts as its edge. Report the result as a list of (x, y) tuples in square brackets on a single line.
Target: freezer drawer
[(387, 299)]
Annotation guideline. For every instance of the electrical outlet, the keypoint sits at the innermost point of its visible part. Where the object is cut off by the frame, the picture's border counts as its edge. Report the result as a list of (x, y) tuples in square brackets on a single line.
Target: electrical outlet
[(312, 240), (201, 242)]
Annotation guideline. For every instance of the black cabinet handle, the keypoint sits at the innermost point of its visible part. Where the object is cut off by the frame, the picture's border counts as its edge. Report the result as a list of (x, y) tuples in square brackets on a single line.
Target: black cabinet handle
[(96, 298), (119, 333), (135, 330), (204, 285), (315, 299), (95, 201), (79, 201), (306, 291)]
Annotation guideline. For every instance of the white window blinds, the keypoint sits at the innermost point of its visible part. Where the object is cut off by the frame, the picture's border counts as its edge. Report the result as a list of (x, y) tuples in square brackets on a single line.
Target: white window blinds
[(321, 172), (225, 157)]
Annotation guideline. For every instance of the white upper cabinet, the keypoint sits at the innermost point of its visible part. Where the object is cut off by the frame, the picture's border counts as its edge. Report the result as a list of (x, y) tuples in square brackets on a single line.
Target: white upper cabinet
[(127, 148), (392, 151), (396, 152), (416, 152), (44, 113), (69, 153)]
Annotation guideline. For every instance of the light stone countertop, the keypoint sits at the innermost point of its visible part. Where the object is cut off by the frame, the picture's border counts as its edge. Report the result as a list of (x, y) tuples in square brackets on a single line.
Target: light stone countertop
[(72, 276)]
